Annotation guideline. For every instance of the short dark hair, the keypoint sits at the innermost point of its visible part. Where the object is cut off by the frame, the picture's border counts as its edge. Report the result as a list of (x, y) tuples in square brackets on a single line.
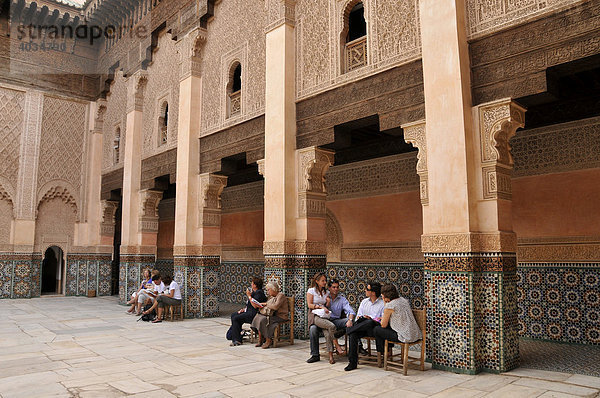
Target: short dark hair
[(258, 282), (155, 277), (167, 279), (390, 291), (375, 287), (332, 281)]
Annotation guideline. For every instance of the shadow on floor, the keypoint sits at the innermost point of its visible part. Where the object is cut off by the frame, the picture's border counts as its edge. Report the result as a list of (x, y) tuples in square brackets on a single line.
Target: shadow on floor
[(557, 357)]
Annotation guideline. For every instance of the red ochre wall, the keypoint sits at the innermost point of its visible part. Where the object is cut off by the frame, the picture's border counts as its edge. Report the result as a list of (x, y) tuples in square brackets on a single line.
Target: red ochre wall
[(242, 229), (165, 238), (386, 218), (560, 204)]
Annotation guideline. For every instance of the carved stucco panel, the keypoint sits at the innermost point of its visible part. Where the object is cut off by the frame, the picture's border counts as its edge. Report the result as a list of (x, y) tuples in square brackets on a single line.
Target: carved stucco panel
[(114, 119), (236, 26), (11, 126), (415, 134), (48, 231)]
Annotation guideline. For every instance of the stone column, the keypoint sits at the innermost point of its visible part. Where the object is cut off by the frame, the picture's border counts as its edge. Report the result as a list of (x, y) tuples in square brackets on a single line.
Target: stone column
[(196, 248), (138, 249), (26, 277), (468, 242)]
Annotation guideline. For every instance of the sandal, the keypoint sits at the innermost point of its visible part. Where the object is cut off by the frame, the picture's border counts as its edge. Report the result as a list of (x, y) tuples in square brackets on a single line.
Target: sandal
[(156, 320), (341, 352)]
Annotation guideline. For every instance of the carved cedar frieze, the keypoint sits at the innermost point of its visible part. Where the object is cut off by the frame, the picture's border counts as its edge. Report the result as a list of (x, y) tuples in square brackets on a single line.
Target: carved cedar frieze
[(245, 197)]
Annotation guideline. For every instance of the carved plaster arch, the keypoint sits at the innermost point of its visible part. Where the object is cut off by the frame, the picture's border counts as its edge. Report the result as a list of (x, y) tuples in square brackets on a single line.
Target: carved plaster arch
[(6, 190), (334, 238), (58, 189), (344, 25)]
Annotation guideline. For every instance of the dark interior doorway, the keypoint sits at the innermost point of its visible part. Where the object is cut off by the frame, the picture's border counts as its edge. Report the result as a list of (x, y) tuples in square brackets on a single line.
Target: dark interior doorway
[(52, 270)]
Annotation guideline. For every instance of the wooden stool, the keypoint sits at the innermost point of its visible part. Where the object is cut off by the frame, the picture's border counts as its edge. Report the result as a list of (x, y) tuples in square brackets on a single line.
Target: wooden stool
[(388, 361), (173, 313)]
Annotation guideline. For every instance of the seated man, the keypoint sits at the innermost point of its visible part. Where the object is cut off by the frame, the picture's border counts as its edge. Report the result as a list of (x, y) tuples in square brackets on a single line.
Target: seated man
[(171, 297), (147, 296), (339, 304), (255, 296), (368, 316)]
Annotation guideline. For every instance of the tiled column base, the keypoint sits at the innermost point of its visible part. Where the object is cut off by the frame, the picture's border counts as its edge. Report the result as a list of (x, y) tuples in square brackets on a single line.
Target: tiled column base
[(88, 271), (472, 312), (17, 276), (294, 274), (198, 277), (130, 273)]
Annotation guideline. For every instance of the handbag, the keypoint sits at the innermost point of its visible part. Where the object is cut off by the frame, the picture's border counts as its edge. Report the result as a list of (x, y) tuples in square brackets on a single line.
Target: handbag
[(266, 311)]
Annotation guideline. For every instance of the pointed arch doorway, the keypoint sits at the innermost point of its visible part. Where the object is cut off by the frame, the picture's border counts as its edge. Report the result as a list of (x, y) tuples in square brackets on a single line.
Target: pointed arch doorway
[(53, 271)]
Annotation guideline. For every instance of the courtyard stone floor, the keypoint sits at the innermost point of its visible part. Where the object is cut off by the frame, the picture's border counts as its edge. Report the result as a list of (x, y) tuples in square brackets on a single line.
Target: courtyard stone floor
[(80, 347)]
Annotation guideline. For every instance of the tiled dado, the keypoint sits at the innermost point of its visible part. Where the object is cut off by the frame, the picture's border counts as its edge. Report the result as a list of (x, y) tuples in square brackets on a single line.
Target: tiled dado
[(17, 276), (471, 312), (294, 274), (353, 277), (131, 268), (165, 266), (198, 277), (559, 301), (88, 272), (235, 277)]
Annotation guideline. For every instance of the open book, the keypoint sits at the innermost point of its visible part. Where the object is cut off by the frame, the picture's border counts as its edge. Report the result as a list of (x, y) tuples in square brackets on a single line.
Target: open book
[(255, 301)]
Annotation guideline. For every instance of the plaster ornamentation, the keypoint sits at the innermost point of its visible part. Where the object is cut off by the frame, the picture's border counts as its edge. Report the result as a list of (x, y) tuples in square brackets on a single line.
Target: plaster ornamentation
[(48, 231), (211, 187), (148, 213), (498, 123), (63, 137), (190, 51), (62, 193), (245, 197), (294, 247), (162, 84), (313, 163), (114, 120), (4, 195), (204, 250), (107, 223), (280, 12), (334, 238), (235, 33), (29, 156), (401, 251), (393, 38), (99, 116), (261, 166), (469, 242), (559, 148), (11, 128), (136, 84), (487, 16), (415, 134)]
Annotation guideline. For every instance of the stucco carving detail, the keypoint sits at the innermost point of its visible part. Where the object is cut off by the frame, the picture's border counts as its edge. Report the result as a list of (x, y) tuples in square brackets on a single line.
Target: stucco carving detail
[(469, 242), (136, 85), (486, 16), (62, 193), (415, 134), (280, 12), (313, 163), (114, 120), (393, 38), (237, 27), (148, 215), (211, 187), (498, 123), (295, 247), (11, 126), (261, 166), (107, 223), (190, 50)]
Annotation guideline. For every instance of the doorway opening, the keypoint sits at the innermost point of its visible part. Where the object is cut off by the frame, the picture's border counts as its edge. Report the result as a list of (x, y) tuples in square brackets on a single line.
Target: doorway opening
[(53, 271)]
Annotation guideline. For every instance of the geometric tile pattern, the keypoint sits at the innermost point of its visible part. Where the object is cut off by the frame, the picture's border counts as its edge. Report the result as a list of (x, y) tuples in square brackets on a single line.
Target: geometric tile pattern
[(558, 357), (88, 272), (164, 266), (130, 272), (16, 275), (36, 270), (559, 302), (472, 318), (353, 277), (235, 277), (198, 277)]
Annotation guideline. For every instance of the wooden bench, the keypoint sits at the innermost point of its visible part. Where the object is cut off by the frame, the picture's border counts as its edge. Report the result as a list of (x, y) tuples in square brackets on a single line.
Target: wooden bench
[(388, 362), (277, 336)]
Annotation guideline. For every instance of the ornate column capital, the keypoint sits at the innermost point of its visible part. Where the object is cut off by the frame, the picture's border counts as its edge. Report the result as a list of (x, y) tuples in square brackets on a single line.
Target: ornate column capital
[(280, 12), (107, 222), (211, 187), (261, 167), (99, 116), (149, 200), (136, 84), (415, 134), (498, 123), (313, 163), (190, 49)]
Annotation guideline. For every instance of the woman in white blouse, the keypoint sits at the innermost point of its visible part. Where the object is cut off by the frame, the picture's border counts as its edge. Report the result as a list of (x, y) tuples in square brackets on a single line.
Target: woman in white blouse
[(398, 322)]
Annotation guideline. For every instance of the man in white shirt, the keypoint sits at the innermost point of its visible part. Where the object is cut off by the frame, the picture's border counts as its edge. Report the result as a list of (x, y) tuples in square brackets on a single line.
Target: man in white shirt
[(148, 296), (368, 316)]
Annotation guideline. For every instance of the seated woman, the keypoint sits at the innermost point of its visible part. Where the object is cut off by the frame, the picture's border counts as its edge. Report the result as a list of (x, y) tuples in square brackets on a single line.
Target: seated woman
[(397, 323), (173, 297), (146, 280), (255, 295), (148, 295), (266, 325)]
